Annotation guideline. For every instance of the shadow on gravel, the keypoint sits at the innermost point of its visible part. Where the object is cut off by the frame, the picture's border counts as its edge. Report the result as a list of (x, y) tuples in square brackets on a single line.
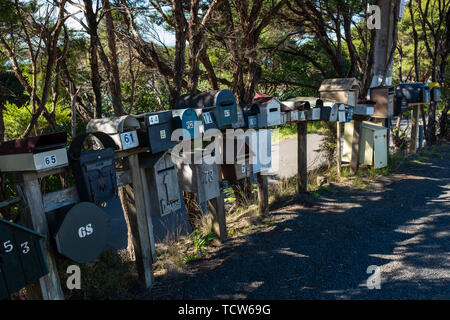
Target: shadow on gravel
[(323, 251)]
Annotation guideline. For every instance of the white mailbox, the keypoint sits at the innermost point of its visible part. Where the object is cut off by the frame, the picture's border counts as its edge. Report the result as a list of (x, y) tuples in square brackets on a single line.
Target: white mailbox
[(121, 129), (269, 111), (34, 153), (162, 180)]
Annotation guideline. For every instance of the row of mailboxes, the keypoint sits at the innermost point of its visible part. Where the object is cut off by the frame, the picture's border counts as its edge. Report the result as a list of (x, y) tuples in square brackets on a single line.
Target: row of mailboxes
[(22, 260), (222, 102)]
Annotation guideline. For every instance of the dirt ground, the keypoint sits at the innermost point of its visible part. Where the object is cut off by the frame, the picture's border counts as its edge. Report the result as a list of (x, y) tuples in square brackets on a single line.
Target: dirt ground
[(322, 247)]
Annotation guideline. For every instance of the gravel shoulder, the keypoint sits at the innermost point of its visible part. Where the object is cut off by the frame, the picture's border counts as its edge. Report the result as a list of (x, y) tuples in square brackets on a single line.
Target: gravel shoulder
[(321, 248)]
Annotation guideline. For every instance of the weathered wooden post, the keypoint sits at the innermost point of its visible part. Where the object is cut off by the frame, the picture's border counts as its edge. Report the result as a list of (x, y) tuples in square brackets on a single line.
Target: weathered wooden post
[(302, 159)]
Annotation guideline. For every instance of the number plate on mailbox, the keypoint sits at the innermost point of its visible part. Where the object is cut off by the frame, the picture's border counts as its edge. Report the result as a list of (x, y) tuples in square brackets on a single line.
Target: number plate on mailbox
[(129, 140)]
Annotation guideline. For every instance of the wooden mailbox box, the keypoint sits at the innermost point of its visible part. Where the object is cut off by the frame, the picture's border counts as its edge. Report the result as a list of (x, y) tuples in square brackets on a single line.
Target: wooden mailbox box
[(384, 101), (187, 119), (156, 131), (223, 102), (121, 129), (81, 233), (22, 260), (201, 179), (373, 144), (162, 180), (269, 111), (34, 153), (343, 90)]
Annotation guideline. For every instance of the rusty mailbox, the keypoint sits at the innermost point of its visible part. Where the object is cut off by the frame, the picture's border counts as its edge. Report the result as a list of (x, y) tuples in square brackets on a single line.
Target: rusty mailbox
[(34, 153), (162, 180)]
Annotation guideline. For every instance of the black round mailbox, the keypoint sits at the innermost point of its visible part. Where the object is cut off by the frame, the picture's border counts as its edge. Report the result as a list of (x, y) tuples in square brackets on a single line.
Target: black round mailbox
[(83, 233)]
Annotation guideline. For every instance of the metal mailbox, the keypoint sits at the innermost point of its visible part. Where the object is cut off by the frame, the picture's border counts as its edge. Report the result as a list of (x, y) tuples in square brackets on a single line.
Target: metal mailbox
[(22, 260), (313, 114), (413, 92), (241, 168), (187, 119), (81, 233), (343, 90), (156, 131), (435, 92), (269, 111), (223, 101), (384, 101), (34, 153), (201, 179), (251, 116), (325, 112), (365, 108), (240, 123), (162, 180), (94, 171), (207, 119), (341, 114), (121, 129), (262, 153)]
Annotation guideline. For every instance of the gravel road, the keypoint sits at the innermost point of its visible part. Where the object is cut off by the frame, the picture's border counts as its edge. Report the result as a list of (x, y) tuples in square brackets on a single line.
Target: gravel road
[(321, 248)]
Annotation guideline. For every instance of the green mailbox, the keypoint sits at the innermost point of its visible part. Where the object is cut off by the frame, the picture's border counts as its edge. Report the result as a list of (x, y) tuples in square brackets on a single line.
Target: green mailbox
[(22, 259)]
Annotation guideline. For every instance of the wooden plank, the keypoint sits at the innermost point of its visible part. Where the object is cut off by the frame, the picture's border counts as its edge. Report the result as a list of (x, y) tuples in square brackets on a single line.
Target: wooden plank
[(219, 223), (66, 197), (138, 223), (354, 164), (302, 160), (50, 285), (148, 212), (263, 194), (339, 148), (414, 129)]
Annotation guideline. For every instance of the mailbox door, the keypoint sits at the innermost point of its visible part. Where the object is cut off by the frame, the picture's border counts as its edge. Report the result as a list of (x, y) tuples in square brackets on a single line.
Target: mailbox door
[(380, 149), (325, 113), (226, 108), (83, 233), (209, 121), (315, 114), (167, 187), (159, 130), (273, 114), (208, 181), (99, 175), (187, 119), (11, 266)]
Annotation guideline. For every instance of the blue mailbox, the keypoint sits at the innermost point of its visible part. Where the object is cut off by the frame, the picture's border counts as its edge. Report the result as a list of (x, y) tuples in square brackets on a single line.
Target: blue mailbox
[(187, 119)]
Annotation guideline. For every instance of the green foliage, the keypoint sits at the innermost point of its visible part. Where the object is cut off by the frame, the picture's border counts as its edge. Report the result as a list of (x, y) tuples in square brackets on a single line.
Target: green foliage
[(17, 118), (200, 240), (328, 144)]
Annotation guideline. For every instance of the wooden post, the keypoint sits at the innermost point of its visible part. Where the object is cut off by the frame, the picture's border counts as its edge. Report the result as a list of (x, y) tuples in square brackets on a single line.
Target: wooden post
[(148, 212), (219, 222), (50, 285), (354, 164), (302, 159), (138, 222), (339, 148), (414, 129), (263, 194)]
